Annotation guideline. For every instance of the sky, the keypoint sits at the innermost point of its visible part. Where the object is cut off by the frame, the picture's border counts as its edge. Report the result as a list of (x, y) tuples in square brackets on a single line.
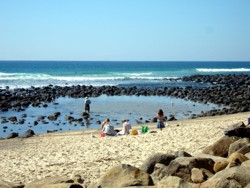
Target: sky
[(124, 30)]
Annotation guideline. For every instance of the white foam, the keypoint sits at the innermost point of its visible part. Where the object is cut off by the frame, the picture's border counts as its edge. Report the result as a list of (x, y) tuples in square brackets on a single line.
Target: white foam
[(223, 70)]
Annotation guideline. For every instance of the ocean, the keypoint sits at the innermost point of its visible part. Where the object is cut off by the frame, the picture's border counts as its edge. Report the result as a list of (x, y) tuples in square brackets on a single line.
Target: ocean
[(24, 74)]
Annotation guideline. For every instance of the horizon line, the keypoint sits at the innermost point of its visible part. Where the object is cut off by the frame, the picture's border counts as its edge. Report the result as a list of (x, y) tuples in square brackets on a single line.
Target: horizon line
[(134, 60)]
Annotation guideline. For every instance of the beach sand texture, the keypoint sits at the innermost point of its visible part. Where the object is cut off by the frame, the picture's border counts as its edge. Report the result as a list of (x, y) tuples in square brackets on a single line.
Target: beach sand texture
[(77, 152)]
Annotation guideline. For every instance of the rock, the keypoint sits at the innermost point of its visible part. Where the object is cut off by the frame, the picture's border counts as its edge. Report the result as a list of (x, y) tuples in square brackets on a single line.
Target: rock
[(57, 114), (149, 164), (123, 176), (69, 118), (243, 132), (238, 176), (77, 178), (214, 158), (12, 135), (220, 147), (27, 134), (86, 114), (12, 118), (205, 163), (154, 120), (246, 164), (54, 182), (4, 109), (174, 182), (237, 145), (182, 154), (248, 155), (172, 118), (234, 159), (4, 121), (197, 175), (218, 166), (233, 127), (63, 185), (245, 149), (5, 184), (21, 121), (182, 167), (52, 118)]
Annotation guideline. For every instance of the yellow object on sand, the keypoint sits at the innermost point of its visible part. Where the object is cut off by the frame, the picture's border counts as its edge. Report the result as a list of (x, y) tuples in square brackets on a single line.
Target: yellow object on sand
[(134, 132)]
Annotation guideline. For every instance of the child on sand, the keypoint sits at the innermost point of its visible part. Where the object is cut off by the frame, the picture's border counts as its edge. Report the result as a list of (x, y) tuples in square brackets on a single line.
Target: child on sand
[(160, 117)]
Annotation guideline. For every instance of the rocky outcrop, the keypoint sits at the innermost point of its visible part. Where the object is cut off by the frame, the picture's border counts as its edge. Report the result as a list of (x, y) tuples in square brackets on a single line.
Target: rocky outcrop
[(238, 145), (123, 176), (230, 90), (205, 170), (149, 164), (56, 182), (220, 147)]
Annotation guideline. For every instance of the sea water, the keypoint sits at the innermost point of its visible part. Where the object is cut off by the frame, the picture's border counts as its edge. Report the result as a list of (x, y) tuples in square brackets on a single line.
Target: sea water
[(136, 109), (23, 74)]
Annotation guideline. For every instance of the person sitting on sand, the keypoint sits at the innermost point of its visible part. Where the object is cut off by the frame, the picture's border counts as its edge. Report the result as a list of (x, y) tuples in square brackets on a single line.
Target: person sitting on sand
[(104, 122), (126, 127), (108, 129), (160, 117)]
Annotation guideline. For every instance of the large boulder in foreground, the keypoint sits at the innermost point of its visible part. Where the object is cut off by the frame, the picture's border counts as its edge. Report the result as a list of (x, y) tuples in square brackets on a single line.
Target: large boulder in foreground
[(238, 145), (182, 167), (149, 164), (56, 182), (123, 175), (174, 182), (220, 147), (5, 184), (238, 176)]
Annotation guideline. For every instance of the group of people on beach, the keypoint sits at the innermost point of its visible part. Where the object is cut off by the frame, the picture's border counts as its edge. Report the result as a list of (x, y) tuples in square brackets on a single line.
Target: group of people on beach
[(109, 130)]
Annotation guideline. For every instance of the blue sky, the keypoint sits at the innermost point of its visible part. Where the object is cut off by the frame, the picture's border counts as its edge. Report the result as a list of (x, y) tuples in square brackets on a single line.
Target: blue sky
[(163, 30)]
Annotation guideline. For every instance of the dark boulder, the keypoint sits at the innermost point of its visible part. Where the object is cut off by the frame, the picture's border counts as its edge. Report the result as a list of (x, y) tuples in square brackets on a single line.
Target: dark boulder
[(12, 135), (149, 164), (27, 134)]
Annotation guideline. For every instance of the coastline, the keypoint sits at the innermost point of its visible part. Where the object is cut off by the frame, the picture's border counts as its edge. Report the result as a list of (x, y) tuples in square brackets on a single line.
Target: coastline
[(78, 153), (231, 92)]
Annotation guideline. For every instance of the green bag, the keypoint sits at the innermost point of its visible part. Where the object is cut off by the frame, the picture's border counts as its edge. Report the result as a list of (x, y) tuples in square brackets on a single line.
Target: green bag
[(144, 129)]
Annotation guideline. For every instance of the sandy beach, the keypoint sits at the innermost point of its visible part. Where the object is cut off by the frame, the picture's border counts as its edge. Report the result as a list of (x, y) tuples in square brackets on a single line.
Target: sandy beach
[(78, 152)]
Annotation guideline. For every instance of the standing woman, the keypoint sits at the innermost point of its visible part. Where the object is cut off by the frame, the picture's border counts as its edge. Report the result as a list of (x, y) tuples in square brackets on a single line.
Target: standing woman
[(87, 104), (160, 118)]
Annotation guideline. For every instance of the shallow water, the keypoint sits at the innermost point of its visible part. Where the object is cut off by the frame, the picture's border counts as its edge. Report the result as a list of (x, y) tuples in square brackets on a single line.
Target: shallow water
[(133, 108)]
